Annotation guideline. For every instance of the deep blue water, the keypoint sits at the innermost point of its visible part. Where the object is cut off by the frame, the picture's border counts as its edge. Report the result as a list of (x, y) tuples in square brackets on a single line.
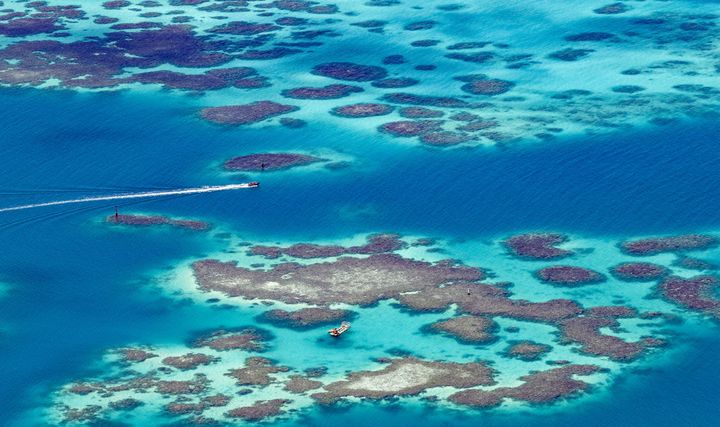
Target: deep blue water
[(77, 288)]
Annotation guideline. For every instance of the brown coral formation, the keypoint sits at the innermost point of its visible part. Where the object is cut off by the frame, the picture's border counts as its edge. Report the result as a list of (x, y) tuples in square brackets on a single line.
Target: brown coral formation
[(150, 220), (183, 406), (527, 350), (360, 281), (487, 300), (257, 371), (142, 384), (471, 329), (695, 293), (376, 244), (299, 384), (269, 162), (246, 114), (639, 271), (537, 245), (249, 339), (566, 275), (539, 387), (405, 377), (189, 361), (259, 410), (656, 245), (305, 317), (135, 355), (585, 330)]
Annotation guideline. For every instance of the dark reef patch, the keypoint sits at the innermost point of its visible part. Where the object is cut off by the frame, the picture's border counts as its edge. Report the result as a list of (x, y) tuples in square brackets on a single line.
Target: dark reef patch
[(155, 220), (426, 100), (419, 113), (697, 293), (306, 318), (349, 71), (479, 84), (589, 37), (586, 331), (487, 300), (362, 110), (326, 92), (540, 246), (247, 113), (564, 275), (189, 361), (395, 82), (259, 410), (657, 245), (269, 162), (527, 350), (612, 9), (474, 57), (424, 43), (419, 25), (445, 138), (467, 45), (639, 271), (627, 89), (361, 281), (242, 28), (248, 339), (410, 128), (256, 372), (539, 387), (571, 55), (394, 60), (376, 244), (468, 329)]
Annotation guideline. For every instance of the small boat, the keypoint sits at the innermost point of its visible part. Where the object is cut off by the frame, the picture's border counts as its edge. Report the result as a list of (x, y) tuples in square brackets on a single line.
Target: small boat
[(253, 184), (336, 332)]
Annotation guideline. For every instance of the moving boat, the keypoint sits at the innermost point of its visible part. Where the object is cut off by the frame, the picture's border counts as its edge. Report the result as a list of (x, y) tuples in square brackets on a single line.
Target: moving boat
[(336, 332), (253, 184)]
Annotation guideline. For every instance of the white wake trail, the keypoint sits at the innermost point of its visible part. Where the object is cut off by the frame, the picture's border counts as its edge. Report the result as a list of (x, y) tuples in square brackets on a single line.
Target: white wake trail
[(142, 195)]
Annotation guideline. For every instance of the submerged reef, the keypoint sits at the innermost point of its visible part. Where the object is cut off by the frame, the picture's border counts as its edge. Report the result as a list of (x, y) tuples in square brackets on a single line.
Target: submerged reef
[(537, 246), (246, 114), (540, 387), (259, 410), (363, 110), (349, 71), (350, 280), (248, 339), (586, 331), (639, 271), (376, 244), (472, 329), (219, 376), (326, 92), (405, 377), (188, 46), (656, 245), (256, 372), (697, 293), (138, 220), (527, 350), (564, 275), (269, 162), (306, 317)]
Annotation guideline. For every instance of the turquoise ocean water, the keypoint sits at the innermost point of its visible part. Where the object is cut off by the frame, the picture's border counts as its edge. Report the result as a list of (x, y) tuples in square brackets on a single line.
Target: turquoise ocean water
[(76, 288), (72, 287)]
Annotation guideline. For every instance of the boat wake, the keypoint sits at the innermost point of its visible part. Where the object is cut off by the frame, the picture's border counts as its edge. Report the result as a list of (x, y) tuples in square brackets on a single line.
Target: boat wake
[(139, 195)]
